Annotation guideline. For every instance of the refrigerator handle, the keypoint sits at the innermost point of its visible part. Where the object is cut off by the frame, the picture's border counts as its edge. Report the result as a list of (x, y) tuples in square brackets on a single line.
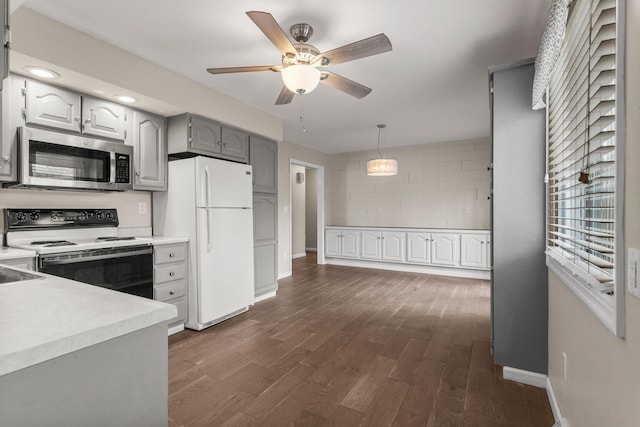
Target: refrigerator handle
[(205, 187), (209, 230)]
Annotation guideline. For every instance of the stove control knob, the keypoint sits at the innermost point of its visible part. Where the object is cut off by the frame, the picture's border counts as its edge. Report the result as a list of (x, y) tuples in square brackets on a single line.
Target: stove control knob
[(82, 216), (34, 216), (99, 214), (108, 215), (21, 216)]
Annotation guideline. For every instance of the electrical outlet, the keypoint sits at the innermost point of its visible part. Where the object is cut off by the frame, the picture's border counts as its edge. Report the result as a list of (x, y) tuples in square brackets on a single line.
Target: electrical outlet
[(633, 265), (564, 365), (142, 208)]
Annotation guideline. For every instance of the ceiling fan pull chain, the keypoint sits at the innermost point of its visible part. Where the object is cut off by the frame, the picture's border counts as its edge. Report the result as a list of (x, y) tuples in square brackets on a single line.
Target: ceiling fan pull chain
[(304, 129)]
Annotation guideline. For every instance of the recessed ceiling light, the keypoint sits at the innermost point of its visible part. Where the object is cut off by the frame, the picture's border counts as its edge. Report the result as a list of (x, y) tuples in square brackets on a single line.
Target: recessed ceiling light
[(42, 72), (126, 98)]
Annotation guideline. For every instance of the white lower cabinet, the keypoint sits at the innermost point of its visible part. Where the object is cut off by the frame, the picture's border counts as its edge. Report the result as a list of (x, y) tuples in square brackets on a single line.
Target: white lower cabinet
[(474, 250), (440, 248), (170, 278)]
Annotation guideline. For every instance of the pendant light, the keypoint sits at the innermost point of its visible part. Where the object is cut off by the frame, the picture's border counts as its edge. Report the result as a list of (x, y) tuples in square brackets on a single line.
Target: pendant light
[(380, 166)]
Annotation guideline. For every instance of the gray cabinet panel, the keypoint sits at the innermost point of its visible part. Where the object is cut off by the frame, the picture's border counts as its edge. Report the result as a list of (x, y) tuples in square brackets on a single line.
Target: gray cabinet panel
[(11, 98), (52, 107), (265, 214), (265, 269), (205, 136), (263, 156), (519, 275), (150, 151), (235, 144), (102, 118)]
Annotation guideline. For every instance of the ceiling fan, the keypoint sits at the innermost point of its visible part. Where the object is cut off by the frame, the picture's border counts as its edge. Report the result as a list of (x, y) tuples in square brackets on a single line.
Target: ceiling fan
[(301, 61)]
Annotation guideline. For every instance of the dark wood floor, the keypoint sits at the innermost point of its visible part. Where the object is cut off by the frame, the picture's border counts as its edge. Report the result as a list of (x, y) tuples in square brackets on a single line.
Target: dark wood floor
[(345, 346)]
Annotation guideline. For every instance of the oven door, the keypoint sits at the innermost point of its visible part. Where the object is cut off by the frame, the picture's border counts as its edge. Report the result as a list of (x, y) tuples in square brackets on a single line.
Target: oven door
[(126, 269)]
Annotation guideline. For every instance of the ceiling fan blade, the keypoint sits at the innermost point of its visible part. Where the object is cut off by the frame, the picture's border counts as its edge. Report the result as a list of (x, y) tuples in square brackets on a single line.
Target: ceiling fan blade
[(227, 70), (285, 97), (345, 85), (268, 25), (361, 49)]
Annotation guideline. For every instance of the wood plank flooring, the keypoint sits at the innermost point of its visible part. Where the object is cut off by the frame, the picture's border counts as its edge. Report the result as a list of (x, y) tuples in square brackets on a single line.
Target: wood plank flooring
[(346, 346)]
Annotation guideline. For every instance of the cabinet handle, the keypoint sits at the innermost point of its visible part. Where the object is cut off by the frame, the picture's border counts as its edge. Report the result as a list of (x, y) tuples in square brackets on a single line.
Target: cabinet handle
[(171, 255), (6, 159), (225, 145), (172, 292), (77, 119), (137, 173), (171, 273), (219, 142)]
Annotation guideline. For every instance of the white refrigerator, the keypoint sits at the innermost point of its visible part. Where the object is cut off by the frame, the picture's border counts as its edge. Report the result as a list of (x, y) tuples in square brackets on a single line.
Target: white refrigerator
[(210, 201)]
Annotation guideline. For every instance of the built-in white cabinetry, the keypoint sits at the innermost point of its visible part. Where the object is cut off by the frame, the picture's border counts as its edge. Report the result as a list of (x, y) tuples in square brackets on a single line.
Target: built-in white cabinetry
[(342, 243), (149, 141), (383, 245), (444, 250), (193, 135), (63, 109), (170, 278), (474, 250)]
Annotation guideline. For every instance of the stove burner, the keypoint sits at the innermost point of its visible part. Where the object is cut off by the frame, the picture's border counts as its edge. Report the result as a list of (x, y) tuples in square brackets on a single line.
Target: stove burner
[(50, 243), (113, 239)]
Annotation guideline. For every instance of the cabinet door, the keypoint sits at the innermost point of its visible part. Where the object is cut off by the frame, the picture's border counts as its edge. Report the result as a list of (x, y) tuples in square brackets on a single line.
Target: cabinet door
[(332, 243), (102, 118), (265, 211), (52, 107), (419, 248), (371, 245), (4, 58), (263, 156), (265, 277), (393, 244), (350, 243), (445, 249), (204, 135), (235, 144), (150, 151), (9, 140), (473, 251)]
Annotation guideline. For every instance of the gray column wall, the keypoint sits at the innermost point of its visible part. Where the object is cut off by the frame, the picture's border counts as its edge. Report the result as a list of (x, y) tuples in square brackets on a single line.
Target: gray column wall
[(519, 276)]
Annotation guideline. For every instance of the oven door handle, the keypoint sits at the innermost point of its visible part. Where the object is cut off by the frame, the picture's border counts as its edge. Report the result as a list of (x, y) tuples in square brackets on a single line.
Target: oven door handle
[(45, 261)]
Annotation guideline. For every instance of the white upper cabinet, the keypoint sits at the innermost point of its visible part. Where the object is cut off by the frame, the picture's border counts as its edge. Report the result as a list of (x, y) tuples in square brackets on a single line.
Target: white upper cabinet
[(103, 119), (51, 106)]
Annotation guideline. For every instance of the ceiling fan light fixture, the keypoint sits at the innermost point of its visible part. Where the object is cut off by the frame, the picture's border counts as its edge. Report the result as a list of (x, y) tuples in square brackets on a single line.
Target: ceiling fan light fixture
[(301, 78)]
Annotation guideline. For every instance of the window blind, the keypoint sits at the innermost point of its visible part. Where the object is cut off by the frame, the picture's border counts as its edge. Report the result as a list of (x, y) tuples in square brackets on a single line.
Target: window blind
[(582, 147)]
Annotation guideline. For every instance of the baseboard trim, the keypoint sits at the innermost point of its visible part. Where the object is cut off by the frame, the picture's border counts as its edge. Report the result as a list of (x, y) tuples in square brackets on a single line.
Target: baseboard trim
[(412, 268), (175, 329), (525, 377), (264, 296), (555, 407), (300, 255), (311, 249), (284, 275)]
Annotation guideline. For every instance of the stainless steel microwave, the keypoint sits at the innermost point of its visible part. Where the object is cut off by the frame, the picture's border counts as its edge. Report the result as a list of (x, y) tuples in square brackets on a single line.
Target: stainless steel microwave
[(55, 160)]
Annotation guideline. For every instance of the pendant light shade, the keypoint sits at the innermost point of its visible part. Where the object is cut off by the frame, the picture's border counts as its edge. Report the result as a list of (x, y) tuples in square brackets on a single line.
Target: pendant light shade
[(380, 166), (300, 78)]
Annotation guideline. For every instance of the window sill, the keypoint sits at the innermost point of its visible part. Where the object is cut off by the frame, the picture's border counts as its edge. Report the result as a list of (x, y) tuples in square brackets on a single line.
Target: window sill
[(601, 305)]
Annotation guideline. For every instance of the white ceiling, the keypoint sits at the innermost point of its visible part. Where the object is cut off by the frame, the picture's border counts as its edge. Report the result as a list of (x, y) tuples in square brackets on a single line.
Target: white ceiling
[(431, 88)]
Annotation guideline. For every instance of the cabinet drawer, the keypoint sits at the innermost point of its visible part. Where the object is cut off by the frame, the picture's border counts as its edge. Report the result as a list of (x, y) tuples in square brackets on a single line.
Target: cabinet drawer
[(169, 291), (181, 305), (168, 273), (165, 254)]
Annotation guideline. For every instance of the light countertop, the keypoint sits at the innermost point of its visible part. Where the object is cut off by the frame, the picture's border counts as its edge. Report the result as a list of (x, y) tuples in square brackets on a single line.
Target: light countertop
[(166, 240), (12, 253), (45, 318)]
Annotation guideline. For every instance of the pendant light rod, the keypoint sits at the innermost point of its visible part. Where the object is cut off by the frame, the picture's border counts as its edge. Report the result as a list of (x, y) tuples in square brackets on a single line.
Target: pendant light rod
[(380, 128)]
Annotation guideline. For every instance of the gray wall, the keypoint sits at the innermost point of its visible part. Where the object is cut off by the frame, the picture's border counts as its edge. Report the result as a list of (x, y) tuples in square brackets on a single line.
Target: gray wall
[(519, 276)]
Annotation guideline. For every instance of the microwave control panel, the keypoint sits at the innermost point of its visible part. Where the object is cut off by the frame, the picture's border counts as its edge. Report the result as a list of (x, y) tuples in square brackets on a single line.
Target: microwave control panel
[(123, 169)]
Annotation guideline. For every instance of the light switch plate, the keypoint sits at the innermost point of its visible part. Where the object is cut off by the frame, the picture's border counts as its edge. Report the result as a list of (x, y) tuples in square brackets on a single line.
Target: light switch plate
[(633, 267)]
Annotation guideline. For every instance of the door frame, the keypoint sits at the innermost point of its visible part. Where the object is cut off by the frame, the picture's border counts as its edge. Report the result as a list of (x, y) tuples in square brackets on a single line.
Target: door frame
[(319, 210)]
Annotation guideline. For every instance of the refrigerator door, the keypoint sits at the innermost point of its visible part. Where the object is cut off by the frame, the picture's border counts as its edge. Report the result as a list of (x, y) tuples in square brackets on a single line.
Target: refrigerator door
[(220, 183), (225, 263)]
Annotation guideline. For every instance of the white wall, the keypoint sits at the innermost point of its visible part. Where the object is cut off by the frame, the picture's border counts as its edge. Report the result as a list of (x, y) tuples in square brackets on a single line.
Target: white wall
[(311, 208), (442, 185), (603, 372), (298, 212)]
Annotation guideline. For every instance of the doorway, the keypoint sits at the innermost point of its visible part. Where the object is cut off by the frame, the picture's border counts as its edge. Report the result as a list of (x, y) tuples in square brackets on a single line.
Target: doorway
[(306, 198)]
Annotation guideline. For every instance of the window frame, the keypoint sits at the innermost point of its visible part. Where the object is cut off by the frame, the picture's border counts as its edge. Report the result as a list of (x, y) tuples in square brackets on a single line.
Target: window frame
[(609, 310)]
